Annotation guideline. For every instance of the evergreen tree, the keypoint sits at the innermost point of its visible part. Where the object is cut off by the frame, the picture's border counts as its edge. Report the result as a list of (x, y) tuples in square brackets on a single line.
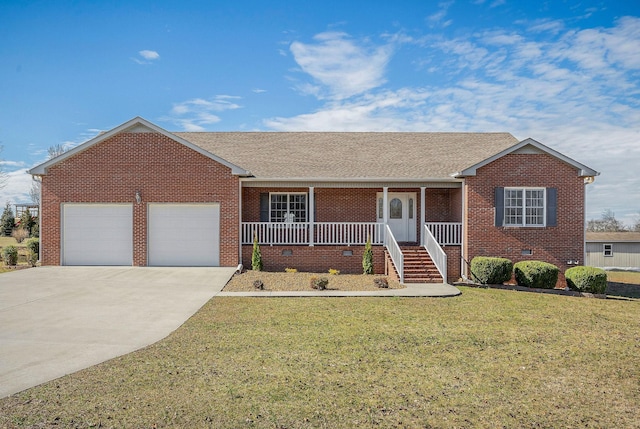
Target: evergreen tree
[(367, 258), (256, 256), (26, 221), (7, 222)]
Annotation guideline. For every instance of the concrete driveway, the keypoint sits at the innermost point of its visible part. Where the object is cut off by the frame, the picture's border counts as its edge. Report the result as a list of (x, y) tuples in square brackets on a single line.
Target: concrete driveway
[(57, 320)]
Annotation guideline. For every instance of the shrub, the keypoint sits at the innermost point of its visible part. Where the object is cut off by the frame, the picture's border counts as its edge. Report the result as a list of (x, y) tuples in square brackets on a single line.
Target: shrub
[(586, 279), (367, 258), (334, 272), (536, 274), (10, 255), (258, 284), (20, 234), (256, 255), (487, 270), (381, 282), (290, 270), (319, 283), (7, 221), (33, 248)]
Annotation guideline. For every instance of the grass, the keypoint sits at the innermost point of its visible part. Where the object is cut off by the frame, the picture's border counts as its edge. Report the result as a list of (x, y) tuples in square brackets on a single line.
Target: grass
[(489, 358), (629, 277)]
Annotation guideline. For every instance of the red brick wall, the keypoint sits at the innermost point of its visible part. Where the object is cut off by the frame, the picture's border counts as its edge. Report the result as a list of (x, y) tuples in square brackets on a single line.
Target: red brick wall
[(160, 168), (555, 245), (317, 259), (443, 205)]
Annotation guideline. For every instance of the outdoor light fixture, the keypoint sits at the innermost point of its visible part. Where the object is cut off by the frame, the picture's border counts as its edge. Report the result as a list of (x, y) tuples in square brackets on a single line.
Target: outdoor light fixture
[(138, 197)]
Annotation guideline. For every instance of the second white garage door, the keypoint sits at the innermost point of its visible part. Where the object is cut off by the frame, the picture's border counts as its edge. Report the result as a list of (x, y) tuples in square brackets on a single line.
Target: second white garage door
[(184, 235)]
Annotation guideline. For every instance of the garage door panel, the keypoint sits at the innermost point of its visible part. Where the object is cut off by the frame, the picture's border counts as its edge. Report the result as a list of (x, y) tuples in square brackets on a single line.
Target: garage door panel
[(184, 234), (97, 234)]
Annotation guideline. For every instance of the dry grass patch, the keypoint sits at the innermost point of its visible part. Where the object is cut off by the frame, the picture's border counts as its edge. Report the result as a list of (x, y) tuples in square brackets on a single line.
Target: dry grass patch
[(489, 358), (299, 281)]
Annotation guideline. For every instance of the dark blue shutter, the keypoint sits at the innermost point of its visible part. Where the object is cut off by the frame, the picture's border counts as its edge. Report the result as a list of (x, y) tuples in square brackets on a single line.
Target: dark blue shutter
[(499, 206), (552, 207), (264, 207)]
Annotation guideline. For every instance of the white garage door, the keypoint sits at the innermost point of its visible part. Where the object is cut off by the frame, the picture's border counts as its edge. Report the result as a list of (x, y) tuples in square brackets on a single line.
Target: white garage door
[(184, 235), (97, 234)]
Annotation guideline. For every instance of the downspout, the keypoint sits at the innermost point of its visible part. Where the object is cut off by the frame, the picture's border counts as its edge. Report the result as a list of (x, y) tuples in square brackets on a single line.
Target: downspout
[(385, 210)]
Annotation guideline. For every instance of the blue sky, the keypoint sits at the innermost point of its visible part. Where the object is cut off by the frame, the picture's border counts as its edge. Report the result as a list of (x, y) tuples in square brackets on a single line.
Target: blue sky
[(566, 73)]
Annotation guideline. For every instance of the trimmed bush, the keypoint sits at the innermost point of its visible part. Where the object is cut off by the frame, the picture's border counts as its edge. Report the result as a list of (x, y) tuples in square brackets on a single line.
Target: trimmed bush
[(10, 255), (586, 279), (536, 274), (367, 258), (493, 271), (33, 248)]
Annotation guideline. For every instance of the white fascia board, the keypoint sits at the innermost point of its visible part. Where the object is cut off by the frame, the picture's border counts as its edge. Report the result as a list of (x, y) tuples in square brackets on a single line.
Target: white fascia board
[(41, 169), (350, 179), (584, 171)]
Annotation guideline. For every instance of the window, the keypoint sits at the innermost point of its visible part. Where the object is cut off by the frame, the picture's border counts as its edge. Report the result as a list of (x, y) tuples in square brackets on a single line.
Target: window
[(524, 206), (395, 209), (288, 208), (607, 249)]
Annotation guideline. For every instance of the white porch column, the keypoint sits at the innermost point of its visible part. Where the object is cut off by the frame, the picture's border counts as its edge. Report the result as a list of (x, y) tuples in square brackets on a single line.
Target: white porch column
[(423, 208), (385, 210), (312, 204)]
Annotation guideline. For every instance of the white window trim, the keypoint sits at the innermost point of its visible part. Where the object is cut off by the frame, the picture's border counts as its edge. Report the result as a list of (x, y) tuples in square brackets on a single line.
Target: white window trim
[(605, 250), (306, 208), (524, 208)]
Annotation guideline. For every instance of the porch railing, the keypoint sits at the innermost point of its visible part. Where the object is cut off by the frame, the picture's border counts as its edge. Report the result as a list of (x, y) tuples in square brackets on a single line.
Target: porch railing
[(276, 232), (394, 251), (348, 233), (438, 256), (446, 233), (322, 233)]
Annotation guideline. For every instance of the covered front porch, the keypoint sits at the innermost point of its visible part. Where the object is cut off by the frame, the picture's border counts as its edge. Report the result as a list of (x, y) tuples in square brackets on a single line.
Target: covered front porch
[(335, 223)]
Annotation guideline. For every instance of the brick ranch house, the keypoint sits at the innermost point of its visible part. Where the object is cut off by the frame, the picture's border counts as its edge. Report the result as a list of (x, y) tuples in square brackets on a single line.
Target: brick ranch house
[(139, 195)]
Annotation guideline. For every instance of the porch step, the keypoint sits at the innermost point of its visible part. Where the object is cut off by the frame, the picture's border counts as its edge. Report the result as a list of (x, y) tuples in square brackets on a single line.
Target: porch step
[(418, 266)]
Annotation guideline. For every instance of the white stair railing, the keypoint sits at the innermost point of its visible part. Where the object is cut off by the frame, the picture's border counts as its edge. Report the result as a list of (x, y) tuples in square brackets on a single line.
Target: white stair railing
[(438, 256), (394, 251)]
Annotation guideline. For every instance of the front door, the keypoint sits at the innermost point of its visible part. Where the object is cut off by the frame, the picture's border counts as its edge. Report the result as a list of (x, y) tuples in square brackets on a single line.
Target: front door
[(401, 212)]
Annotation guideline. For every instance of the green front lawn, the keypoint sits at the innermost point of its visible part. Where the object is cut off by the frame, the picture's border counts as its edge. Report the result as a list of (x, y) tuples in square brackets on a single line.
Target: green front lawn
[(489, 358)]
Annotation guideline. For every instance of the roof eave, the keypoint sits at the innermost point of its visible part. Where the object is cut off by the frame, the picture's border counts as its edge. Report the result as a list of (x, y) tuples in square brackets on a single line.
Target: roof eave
[(350, 179)]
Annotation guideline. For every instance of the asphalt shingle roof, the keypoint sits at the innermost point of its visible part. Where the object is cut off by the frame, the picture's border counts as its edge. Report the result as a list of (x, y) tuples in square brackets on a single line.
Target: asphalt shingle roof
[(351, 155)]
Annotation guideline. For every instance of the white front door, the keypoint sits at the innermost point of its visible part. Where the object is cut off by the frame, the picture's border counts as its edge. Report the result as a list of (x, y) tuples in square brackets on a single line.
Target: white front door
[(401, 212)]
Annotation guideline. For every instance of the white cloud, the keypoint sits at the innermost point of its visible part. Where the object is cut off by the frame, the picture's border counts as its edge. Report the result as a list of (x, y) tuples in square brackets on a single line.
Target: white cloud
[(259, 91), (438, 18), (340, 66), (196, 114), (17, 188), (147, 57), (576, 91)]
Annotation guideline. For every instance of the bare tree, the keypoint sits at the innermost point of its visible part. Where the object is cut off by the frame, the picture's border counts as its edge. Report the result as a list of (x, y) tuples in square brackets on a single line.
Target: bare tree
[(52, 152), (607, 223), (636, 223)]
